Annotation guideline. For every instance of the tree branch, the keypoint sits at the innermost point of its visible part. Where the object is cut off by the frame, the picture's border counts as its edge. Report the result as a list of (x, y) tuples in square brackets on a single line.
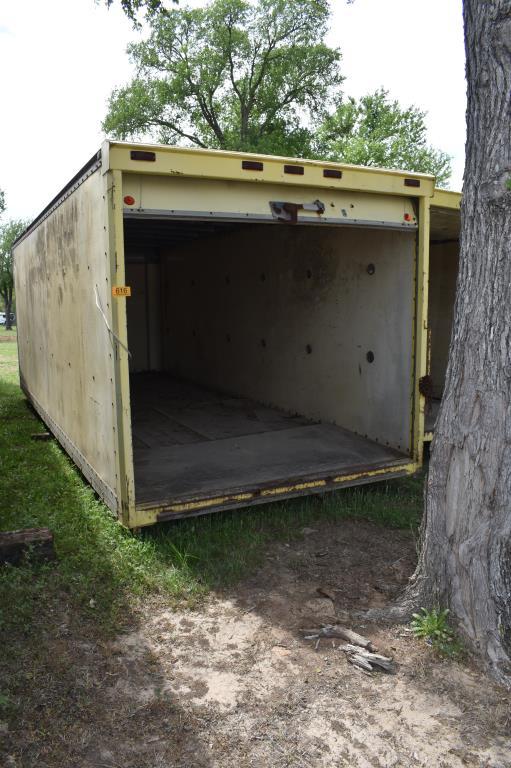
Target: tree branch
[(166, 124)]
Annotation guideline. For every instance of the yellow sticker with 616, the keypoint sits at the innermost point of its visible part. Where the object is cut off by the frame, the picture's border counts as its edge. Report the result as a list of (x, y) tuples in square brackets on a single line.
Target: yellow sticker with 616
[(121, 290)]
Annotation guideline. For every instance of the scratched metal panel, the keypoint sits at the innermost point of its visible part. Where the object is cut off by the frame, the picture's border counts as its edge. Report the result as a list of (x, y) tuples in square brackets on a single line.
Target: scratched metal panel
[(66, 353), (292, 316)]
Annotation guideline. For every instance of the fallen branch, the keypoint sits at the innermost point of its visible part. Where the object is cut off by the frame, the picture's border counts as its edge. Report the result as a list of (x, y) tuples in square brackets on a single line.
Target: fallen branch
[(335, 630)]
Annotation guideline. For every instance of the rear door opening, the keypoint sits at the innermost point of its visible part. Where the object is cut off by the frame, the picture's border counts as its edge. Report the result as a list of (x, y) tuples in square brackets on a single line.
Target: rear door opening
[(267, 359)]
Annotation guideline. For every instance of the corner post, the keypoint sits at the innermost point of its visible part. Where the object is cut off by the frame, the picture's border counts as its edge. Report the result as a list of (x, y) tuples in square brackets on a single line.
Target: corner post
[(125, 471), (421, 332)]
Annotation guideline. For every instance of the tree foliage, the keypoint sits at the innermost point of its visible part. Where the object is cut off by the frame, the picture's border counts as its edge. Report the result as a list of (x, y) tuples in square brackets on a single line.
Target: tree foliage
[(377, 131), (133, 7), (256, 75), (232, 75), (2, 201), (9, 232)]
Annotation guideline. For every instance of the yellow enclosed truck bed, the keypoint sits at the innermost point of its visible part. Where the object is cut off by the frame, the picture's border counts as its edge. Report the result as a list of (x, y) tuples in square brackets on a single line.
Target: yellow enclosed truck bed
[(204, 330)]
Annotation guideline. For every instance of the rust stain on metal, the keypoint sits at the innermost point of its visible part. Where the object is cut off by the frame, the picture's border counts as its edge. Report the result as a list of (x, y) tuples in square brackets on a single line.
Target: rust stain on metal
[(291, 488)]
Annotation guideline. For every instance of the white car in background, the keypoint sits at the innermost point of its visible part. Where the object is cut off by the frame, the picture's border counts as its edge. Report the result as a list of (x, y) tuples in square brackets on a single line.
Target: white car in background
[(3, 318)]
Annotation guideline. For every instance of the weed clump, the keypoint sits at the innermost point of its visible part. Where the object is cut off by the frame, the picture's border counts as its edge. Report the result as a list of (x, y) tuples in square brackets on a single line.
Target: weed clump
[(433, 627)]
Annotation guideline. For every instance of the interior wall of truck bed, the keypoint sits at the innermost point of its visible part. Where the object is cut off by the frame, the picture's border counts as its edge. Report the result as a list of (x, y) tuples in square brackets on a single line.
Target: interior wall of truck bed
[(143, 272), (444, 258), (315, 322)]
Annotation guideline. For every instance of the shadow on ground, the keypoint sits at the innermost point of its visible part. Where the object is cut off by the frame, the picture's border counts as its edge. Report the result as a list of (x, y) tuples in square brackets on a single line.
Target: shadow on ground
[(69, 696), (259, 694), (103, 666)]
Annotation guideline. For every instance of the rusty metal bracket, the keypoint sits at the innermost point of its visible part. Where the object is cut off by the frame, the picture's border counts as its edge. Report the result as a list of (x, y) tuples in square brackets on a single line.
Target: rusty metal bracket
[(289, 211)]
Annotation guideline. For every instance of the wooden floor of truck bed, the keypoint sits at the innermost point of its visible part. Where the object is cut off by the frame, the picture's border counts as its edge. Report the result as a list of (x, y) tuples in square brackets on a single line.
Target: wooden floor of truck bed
[(190, 442)]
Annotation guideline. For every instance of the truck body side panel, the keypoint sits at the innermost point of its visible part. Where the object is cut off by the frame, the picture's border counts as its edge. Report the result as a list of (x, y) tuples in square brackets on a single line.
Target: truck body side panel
[(66, 352)]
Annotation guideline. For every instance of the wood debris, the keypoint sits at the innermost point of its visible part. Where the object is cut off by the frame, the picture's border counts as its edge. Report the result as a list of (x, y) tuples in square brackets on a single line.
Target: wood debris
[(359, 650), (367, 660), (16, 546), (41, 436)]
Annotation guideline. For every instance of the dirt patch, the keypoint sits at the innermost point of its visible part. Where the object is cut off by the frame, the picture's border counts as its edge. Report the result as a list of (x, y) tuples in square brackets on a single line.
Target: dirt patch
[(235, 684)]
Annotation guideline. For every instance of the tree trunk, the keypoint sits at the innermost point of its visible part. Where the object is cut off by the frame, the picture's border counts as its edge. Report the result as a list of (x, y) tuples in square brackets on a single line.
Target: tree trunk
[(465, 561), (8, 308)]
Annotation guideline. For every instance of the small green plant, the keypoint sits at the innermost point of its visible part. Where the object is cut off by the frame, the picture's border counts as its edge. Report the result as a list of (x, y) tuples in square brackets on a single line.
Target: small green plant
[(432, 626), (508, 184)]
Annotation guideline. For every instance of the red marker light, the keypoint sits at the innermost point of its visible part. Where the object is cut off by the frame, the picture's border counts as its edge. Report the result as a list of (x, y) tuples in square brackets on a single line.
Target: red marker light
[(407, 215), (129, 200)]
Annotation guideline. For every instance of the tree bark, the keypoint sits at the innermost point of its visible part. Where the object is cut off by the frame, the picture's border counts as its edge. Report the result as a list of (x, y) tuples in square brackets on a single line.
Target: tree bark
[(8, 309), (465, 562)]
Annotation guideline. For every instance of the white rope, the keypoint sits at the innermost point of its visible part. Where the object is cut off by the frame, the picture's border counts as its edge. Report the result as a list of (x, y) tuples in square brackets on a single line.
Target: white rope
[(112, 334)]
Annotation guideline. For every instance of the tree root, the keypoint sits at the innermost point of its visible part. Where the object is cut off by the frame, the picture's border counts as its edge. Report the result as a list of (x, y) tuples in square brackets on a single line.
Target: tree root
[(400, 611)]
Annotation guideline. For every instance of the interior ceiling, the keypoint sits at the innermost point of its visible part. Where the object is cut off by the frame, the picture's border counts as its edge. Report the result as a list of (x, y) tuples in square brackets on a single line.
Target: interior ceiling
[(146, 235), (153, 234), (445, 224)]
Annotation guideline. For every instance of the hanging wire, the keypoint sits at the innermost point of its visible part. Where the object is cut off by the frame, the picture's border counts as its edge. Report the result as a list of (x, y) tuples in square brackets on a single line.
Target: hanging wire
[(110, 331)]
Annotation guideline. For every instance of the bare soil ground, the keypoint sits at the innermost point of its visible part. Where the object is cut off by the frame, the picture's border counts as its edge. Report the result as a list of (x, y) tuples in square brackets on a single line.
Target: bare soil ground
[(234, 683)]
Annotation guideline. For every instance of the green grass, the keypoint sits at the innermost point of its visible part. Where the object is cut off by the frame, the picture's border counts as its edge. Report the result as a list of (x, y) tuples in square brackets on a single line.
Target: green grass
[(8, 357), (7, 335), (101, 568), (221, 548)]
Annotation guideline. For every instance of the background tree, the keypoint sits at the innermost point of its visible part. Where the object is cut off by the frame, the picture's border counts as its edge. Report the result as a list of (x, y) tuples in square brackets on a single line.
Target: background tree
[(377, 131), (465, 561), (2, 201), (257, 76), (133, 7), (8, 234), (232, 75)]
